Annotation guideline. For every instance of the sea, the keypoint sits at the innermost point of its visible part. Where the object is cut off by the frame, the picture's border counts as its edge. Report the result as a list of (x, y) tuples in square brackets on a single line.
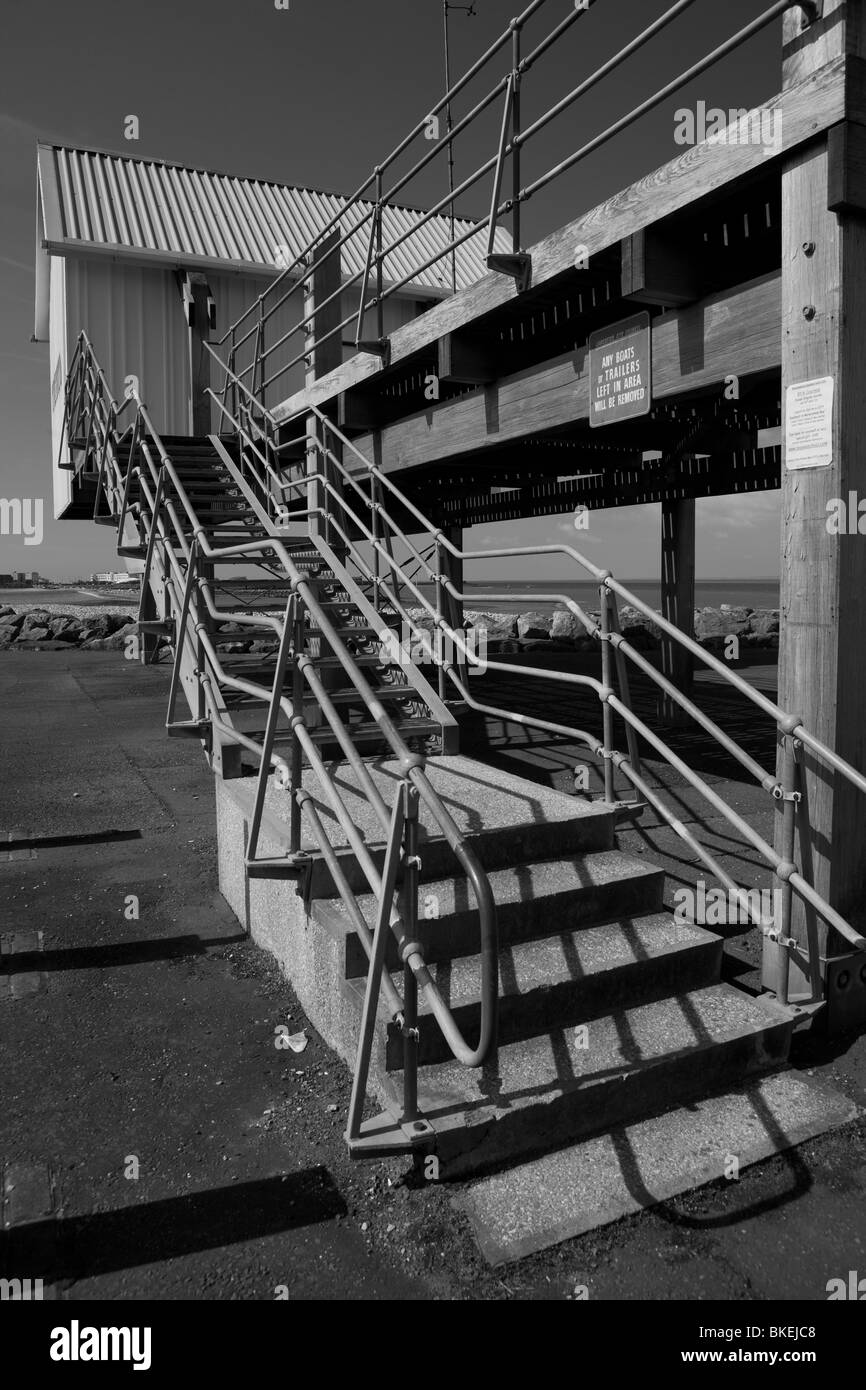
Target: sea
[(524, 597), (123, 595), (512, 596)]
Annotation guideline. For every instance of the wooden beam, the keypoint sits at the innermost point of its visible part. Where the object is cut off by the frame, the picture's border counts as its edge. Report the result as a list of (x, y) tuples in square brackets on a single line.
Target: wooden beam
[(752, 472), (846, 168), (809, 107), (463, 362), (735, 332), (356, 414), (655, 270), (822, 650)]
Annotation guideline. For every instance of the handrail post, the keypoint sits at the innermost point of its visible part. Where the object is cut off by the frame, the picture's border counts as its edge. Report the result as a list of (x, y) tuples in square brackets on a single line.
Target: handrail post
[(624, 687), (437, 651), (298, 707), (380, 276), (515, 139), (411, 865), (781, 877), (374, 969), (270, 732), (607, 712)]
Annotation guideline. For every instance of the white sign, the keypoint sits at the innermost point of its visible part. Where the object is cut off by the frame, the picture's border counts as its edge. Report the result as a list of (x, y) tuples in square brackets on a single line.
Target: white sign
[(809, 423)]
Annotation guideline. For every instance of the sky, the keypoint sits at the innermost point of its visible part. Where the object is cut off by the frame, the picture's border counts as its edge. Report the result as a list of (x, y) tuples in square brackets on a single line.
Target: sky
[(316, 94)]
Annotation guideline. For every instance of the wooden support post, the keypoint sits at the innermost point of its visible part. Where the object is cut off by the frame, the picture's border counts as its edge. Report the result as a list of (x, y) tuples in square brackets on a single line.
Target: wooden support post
[(822, 646), (678, 600), (199, 308), (321, 357)]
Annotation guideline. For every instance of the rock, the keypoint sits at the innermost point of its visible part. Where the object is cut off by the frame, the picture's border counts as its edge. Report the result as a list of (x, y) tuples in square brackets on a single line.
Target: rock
[(534, 625), (765, 622), (721, 622), (14, 621), (65, 629), (6, 611), (638, 629), (103, 626), (34, 634), (566, 627), (37, 617), (116, 642)]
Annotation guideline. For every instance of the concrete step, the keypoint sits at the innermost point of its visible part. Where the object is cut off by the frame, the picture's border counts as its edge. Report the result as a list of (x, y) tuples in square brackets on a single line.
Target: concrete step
[(507, 819), (572, 1083), (562, 980), (532, 900), (587, 1185)]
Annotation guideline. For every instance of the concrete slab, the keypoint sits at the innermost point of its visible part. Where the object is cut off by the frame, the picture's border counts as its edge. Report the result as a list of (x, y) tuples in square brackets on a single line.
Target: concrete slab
[(591, 1184)]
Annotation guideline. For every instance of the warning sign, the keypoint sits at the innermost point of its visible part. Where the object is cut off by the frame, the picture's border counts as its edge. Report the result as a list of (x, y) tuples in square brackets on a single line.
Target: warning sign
[(809, 423), (620, 371)]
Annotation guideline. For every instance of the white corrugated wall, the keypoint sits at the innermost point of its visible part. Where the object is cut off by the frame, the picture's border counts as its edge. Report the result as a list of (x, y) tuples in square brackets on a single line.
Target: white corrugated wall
[(59, 357), (134, 320)]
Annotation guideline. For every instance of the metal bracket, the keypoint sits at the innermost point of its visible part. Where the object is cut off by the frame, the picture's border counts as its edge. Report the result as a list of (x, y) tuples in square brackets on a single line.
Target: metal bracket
[(379, 347), (813, 10), (517, 265), (384, 1137)]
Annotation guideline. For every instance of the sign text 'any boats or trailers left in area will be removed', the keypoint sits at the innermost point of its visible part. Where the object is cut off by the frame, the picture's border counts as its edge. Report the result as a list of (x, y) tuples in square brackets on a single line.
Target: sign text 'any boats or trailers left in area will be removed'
[(620, 371)]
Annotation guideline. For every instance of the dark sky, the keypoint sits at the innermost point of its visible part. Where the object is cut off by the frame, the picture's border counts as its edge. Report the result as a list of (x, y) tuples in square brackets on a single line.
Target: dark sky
[(316, 95)]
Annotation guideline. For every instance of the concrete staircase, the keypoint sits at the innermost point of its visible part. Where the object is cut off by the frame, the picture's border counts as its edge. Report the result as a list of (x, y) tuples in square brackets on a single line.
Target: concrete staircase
[(610, 1010)]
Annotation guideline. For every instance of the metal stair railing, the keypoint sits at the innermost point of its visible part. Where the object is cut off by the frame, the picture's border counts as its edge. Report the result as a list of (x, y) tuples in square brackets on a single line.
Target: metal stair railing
[(378, 239), (178, 544), (365, 482)]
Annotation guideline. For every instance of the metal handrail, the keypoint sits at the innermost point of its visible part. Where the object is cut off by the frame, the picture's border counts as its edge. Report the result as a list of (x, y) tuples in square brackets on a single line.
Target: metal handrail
[(368, 215), (789, 726), (192, 595), (607, 631)]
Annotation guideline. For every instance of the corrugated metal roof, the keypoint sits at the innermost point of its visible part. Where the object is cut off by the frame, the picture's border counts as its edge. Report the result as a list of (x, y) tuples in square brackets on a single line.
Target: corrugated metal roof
[(153, 210)]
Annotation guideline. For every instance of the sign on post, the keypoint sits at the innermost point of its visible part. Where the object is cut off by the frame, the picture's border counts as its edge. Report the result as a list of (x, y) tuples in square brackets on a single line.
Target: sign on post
[(620, 371), (809, 423)]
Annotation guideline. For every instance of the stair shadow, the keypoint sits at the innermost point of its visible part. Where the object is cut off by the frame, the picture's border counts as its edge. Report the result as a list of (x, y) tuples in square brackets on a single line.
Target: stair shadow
[(802, 1180), (83, 1247)]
